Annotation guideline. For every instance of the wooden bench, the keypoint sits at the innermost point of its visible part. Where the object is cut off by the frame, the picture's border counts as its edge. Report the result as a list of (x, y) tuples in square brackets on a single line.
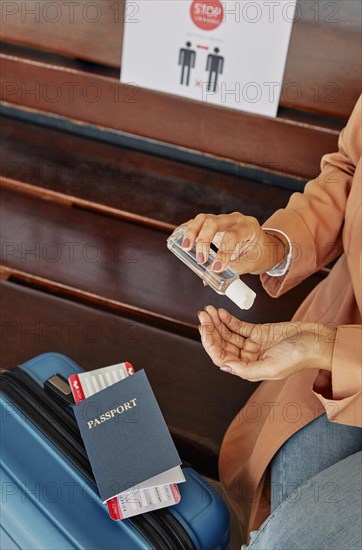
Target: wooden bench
[(91, 190), (77, 249), (124, 182), (76, 75), (323, 59), (121, 260)]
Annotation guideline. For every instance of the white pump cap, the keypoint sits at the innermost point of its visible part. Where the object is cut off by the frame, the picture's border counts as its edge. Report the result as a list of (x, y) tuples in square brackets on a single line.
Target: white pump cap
[(240, 294)]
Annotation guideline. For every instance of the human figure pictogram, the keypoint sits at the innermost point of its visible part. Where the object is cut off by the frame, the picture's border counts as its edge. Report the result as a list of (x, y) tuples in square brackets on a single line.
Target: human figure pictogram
[(187, 59), (215, 66)]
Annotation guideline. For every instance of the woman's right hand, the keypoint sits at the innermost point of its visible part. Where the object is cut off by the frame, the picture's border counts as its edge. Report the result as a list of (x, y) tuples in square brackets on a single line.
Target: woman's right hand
[(242, 243)]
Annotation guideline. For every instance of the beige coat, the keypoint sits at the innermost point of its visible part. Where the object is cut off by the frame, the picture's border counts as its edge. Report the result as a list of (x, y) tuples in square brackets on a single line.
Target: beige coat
[(323, 223)]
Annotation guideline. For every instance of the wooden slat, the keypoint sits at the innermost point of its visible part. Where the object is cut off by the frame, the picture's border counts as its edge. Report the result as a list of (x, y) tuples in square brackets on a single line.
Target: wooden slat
[(87, 30), (124, 263), (290, 144), (323, 61), (322, 72), (196, 399), (125, 183)]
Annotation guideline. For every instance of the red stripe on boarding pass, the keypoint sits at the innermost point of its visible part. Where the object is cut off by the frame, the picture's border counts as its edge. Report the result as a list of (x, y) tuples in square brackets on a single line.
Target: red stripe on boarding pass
[(76, 387), (175, 492), (129, 368), (114, 509)]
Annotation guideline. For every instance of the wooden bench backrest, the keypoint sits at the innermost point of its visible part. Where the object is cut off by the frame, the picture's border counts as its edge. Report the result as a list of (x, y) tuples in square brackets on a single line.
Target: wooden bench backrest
[(323, 67)]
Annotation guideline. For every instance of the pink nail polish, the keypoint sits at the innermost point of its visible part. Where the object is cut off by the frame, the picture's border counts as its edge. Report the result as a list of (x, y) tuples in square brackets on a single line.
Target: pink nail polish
[(226, 368), (200, 258), (217, 266), (231, 285)]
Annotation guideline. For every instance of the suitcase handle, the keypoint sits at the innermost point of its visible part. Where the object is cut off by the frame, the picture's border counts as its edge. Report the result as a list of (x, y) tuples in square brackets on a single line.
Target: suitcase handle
[(58, 387)]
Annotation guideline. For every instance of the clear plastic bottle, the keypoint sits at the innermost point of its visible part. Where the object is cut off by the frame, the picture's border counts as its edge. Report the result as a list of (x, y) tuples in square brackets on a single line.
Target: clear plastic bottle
[(227, 282)]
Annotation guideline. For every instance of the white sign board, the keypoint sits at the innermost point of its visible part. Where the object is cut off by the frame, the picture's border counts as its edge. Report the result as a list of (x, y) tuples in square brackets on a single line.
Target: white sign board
[(224, 53)]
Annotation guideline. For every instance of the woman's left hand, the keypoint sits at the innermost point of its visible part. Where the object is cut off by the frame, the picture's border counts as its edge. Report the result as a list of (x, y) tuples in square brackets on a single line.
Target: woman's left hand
[(265, 352)]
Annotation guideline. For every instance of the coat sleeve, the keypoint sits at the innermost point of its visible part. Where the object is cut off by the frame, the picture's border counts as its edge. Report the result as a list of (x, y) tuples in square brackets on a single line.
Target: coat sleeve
[(340, 391), (313, 220)]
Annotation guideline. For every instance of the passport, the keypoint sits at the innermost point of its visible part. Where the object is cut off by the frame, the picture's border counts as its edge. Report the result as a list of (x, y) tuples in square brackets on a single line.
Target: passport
[(125, 435)]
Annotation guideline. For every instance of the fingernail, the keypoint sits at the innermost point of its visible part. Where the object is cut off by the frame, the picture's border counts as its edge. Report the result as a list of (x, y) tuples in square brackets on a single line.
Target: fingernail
[(226, 368), (217, 266), (186, 243), (198, 314), (200, 258)]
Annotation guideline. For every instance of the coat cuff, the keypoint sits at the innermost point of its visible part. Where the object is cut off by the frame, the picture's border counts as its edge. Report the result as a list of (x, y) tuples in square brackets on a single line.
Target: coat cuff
[(283, 266), (304, 255), (341, 394)]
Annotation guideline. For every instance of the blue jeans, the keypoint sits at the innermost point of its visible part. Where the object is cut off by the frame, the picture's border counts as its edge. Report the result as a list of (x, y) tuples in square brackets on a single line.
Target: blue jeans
[(315, 491)]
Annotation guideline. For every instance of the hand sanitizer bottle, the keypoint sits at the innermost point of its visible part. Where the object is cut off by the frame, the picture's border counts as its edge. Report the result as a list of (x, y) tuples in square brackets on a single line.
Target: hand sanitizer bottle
[(227, 282)]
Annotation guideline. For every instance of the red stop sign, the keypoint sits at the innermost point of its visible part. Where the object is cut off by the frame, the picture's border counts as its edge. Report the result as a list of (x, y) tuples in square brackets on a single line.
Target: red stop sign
[(207, 14)]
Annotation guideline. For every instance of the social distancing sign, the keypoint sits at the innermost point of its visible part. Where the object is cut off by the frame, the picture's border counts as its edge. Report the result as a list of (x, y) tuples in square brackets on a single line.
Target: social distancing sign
[(223, 53)]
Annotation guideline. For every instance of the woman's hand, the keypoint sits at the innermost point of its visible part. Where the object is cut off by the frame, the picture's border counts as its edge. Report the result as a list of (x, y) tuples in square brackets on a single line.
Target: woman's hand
[(264, 352), (242, 243)]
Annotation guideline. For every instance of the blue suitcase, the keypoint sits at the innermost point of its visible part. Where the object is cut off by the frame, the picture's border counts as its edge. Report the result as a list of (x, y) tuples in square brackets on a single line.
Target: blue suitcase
[(49, 499)]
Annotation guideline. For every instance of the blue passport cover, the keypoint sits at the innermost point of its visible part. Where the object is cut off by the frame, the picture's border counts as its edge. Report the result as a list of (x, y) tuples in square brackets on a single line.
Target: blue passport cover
[(125, 435)]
